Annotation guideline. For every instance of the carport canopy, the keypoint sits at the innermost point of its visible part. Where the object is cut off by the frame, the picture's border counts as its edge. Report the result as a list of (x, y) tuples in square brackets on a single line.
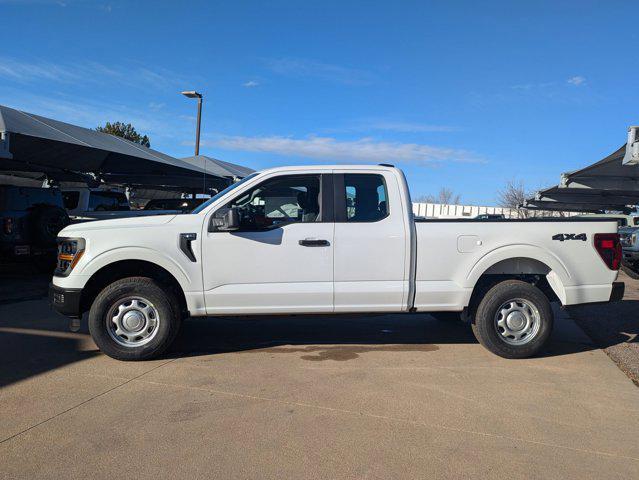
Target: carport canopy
[(554, 206), (607, 185), (587, 196), (218, 167), (609, 173), (32, 143)]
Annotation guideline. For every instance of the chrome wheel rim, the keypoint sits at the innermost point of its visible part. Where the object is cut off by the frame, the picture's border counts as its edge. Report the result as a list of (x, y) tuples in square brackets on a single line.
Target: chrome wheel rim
[(133, 321), (517, 321)]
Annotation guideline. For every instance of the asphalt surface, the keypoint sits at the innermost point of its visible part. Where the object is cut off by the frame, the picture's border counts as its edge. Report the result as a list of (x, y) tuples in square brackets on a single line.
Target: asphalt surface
[(385, 396), (22, 282)]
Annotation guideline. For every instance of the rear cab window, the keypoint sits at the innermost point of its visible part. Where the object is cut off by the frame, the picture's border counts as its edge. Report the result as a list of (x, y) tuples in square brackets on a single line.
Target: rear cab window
[(365, 198), (107, 201)]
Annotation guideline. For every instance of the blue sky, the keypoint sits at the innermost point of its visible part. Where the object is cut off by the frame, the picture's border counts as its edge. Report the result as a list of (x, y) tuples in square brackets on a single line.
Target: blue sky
[(462, 94)]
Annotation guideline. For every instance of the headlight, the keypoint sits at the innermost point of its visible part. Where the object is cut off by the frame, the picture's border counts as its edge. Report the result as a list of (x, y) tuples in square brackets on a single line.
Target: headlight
[(633, 239), (70, 251)]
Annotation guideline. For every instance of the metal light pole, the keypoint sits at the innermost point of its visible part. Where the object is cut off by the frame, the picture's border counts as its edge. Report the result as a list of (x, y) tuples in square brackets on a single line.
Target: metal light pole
[(194, 94)]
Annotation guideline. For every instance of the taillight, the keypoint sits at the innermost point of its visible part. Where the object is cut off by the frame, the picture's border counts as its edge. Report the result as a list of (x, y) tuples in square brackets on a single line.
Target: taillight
[(609, 248), (7, 225)]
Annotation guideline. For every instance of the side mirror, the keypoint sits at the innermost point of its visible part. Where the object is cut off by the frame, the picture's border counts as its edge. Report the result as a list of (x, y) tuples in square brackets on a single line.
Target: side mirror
[(227, 221)]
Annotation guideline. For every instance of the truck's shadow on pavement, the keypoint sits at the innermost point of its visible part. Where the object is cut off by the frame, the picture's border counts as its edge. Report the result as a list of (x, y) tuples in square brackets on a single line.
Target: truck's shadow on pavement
[(34, 341), (340, 338), (609, 324)]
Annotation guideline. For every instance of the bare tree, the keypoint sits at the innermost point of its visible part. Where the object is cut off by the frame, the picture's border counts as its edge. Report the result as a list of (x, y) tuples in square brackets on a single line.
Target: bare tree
[(445, 196), (513, 195)]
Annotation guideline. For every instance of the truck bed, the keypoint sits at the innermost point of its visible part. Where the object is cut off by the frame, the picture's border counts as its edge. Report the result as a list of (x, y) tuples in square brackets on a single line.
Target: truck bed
[(452, 254)]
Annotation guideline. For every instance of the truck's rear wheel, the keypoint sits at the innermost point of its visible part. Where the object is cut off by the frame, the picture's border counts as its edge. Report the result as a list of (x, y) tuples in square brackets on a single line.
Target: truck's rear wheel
[(513, 320), (134, 318)]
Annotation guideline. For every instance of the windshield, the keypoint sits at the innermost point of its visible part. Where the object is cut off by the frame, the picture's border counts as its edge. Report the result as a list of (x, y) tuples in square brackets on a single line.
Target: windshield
[(223, 192)]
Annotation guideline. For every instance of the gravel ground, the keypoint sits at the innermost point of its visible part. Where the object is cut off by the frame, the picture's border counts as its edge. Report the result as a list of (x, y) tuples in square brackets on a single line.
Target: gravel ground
[(615, 327)]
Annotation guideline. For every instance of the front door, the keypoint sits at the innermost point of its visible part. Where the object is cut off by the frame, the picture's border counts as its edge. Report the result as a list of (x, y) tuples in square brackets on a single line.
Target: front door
[(281, 258)]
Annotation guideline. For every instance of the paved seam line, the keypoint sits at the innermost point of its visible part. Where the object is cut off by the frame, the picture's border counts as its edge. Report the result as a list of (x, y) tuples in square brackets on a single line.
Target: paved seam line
[(394, 419), (83, 402)]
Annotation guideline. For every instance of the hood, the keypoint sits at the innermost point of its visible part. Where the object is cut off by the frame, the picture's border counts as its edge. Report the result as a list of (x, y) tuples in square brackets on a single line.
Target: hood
[(116, 223)]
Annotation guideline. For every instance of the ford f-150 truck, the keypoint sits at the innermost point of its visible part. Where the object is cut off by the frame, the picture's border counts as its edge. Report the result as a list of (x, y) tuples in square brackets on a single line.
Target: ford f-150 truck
[(328, 239)]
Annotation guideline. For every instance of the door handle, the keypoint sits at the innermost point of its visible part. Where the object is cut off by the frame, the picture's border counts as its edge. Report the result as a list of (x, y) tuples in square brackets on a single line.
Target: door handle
[(312, 242)]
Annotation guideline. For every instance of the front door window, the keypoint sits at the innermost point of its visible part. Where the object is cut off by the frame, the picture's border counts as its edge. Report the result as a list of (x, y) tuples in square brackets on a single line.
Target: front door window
[(279, 201)]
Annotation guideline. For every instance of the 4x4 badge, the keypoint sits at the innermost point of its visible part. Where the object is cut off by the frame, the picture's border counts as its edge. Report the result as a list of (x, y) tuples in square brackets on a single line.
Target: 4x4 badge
[(569, 236)]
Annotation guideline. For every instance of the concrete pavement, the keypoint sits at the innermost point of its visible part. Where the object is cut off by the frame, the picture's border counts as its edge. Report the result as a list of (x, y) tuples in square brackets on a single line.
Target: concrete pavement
[(383, 396)]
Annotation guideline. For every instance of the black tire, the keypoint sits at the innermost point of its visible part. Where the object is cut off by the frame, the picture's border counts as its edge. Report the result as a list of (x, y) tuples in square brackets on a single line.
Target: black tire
[(46, 221), (162, 299), (447, 316), (488, 333)]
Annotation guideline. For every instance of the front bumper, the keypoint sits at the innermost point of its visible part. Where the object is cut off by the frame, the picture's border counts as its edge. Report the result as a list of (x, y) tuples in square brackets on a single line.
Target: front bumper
[(65, 300), (618, 289)]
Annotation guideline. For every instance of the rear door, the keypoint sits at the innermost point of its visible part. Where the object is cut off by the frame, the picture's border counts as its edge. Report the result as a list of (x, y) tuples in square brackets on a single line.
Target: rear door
[(371, 268), (281, 258)]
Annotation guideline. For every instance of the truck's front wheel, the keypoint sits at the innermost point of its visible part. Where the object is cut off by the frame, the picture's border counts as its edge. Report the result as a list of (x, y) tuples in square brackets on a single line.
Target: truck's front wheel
[(513, 320), (134, 318)]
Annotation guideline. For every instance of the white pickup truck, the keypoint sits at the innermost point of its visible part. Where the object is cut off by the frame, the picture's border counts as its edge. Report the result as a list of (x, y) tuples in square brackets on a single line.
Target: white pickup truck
[(328, 239)]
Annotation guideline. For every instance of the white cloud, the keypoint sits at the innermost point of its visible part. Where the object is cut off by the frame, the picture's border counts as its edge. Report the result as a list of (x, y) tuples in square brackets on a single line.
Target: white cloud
[(161, 126), (364, 125), (24, 71), (300, 68), (155, 106), (250, 84), (577, 80), (364, 150), (526, 87), (35, 2), (87, 72), (407, 127), (59, 3)]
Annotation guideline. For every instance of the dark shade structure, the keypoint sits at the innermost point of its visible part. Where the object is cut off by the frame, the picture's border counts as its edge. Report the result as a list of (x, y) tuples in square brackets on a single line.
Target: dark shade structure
[(554, 206), (606, 174), (65, 152), (588, 196), (219, 167), (607, 185)]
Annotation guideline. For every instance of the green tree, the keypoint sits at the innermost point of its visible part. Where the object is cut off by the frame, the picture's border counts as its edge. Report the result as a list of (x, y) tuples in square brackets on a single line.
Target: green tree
[(126, 131)]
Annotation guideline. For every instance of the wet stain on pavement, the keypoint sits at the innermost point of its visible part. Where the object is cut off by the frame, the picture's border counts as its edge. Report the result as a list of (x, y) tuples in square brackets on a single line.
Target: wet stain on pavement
[(188, 411), (341, 353)]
